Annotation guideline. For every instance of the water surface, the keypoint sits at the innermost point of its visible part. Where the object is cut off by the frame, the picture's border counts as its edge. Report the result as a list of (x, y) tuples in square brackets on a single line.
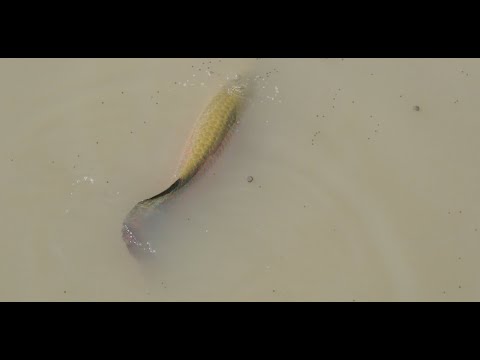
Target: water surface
[(365, 180)]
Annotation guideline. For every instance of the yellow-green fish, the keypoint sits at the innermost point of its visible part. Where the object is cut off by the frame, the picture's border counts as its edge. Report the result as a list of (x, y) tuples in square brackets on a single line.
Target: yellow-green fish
[(207, 136)]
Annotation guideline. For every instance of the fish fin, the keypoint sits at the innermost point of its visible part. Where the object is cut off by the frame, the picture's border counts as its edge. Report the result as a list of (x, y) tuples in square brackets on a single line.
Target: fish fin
[(232, 120), (172, 188)]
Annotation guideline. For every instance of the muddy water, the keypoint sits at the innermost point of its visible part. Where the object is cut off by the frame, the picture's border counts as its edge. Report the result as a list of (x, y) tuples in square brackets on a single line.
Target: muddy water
[(365, 180)]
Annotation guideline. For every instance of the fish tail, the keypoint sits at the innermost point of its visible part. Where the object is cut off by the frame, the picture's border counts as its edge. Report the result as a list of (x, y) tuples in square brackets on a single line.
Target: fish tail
[(138, 218), (170, 190)]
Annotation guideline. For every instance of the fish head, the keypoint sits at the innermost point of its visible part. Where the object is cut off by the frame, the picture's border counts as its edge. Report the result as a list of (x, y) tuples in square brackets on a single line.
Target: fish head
[(238, 85)]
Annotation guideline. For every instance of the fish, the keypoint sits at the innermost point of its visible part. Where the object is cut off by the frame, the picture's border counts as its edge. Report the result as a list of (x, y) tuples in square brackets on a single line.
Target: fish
[(207, 136)]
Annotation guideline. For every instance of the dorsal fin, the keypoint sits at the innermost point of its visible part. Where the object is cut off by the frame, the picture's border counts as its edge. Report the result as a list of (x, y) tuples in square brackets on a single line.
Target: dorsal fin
[(172, 188)]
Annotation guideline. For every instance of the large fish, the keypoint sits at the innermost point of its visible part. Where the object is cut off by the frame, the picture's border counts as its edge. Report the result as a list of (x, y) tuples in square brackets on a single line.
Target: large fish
[(208, 134)]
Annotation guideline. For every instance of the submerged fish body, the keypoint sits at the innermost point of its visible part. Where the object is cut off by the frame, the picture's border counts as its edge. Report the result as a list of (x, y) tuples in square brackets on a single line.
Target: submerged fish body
[(207, 135)]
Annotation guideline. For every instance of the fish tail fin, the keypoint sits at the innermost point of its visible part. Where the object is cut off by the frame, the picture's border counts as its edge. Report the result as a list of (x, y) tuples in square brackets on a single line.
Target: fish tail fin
[(171, 189)]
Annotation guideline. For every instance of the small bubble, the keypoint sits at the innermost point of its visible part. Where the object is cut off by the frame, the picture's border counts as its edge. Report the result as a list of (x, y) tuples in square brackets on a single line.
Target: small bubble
[(250, 179)]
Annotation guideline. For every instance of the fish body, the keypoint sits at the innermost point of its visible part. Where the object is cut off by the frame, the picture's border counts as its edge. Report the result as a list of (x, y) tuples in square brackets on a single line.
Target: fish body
[(206, 137)]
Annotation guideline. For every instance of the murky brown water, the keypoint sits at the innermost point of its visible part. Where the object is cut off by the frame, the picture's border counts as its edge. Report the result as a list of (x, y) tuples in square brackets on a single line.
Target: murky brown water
[(365, 180)]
